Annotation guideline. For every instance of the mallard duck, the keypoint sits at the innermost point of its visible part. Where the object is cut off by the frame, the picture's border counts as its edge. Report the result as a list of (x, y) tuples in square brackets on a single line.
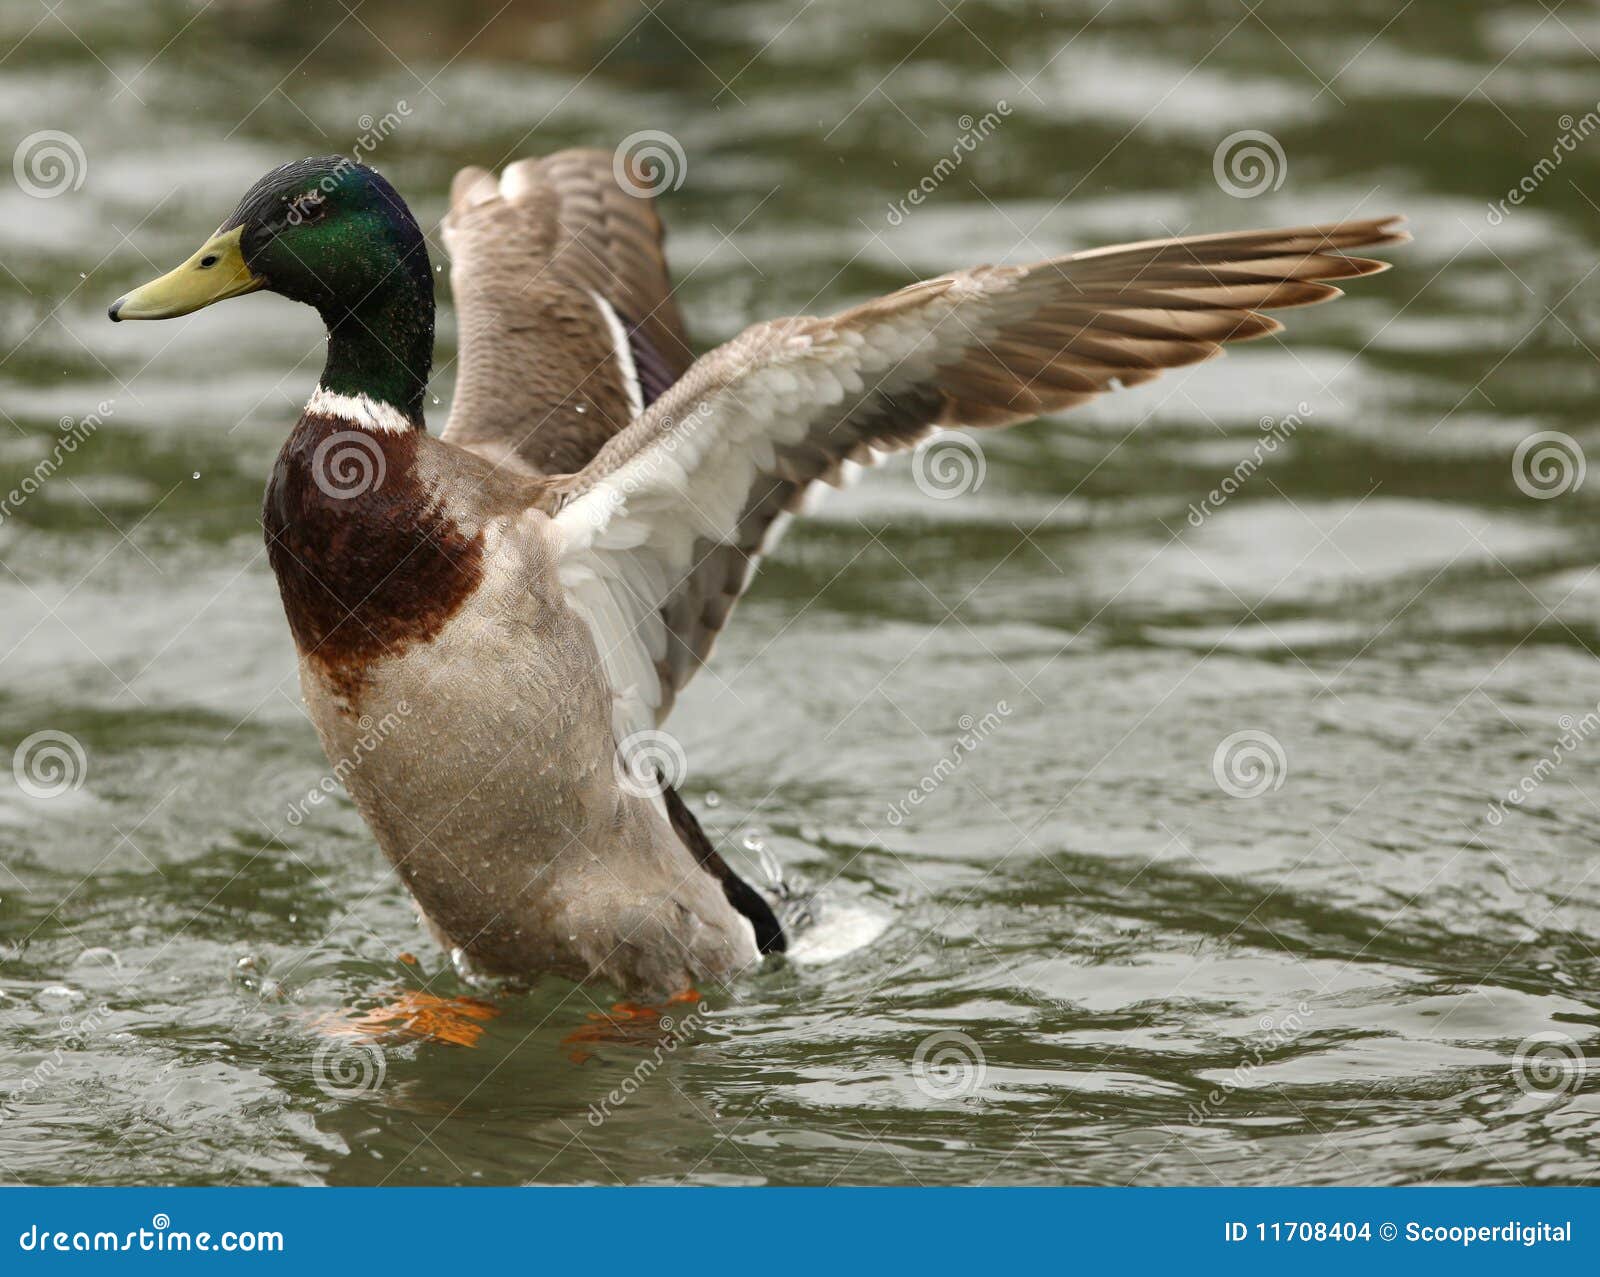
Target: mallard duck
[(527, 592)]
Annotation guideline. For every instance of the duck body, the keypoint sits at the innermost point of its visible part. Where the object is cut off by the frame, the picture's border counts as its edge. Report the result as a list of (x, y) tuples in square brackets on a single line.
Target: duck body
[(496, 797), (518, 601)]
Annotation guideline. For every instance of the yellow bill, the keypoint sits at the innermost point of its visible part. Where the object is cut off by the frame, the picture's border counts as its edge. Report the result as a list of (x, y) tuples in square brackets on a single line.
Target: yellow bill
[(214, 274)]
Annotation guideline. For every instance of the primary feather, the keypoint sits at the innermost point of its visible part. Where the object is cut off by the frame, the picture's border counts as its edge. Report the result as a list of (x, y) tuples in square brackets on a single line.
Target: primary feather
[(661, 529)]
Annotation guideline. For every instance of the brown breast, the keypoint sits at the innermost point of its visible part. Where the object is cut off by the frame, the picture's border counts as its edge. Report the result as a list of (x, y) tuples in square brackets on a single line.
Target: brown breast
[(367, 560)]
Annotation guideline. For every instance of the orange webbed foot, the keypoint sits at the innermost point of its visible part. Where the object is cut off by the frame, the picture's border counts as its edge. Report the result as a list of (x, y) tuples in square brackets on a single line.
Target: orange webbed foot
[(630, 1024), (417, 1014)]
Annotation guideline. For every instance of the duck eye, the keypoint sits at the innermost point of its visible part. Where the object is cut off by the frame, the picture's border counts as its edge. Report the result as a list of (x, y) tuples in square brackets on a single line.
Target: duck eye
[(208, 261)]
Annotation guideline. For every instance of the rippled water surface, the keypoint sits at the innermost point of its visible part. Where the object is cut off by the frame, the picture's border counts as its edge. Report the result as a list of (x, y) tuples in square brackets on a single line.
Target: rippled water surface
[(1102, 964)]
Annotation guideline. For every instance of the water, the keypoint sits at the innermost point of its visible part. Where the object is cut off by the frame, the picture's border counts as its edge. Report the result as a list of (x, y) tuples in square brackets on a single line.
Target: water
[(1153, 980)]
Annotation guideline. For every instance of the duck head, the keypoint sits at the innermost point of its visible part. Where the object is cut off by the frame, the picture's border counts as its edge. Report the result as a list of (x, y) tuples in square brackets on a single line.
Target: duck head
[(334, 234)]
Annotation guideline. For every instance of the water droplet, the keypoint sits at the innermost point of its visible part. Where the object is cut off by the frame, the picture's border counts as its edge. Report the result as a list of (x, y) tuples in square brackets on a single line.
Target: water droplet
[(713, 799), (583, 407), (753, 842), (196, 474), (436, 401), (246, 973), (270, 989), (81, 275), (99, 956), (58, 997)]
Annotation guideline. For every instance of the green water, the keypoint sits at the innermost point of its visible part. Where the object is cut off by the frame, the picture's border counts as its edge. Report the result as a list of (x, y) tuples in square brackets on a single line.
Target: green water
[(1155, 981)]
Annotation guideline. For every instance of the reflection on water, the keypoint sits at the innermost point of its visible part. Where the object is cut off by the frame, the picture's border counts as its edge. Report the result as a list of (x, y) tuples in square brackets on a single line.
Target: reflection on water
[(1234, 890)]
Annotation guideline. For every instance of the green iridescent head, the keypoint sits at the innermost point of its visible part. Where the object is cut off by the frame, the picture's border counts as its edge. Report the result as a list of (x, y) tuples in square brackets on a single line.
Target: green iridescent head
[(330, 232)]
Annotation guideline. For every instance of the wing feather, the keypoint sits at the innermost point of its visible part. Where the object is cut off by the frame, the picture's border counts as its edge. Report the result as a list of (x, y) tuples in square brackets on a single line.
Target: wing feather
[(564, 309), (661, 531)]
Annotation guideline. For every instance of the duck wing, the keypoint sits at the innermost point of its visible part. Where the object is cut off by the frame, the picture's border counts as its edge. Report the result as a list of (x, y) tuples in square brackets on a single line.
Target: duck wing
[(660, 533), (567, 327)]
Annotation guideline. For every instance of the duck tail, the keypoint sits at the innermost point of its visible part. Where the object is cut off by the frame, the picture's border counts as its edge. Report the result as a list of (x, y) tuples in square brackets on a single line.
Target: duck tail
[(770, 937)]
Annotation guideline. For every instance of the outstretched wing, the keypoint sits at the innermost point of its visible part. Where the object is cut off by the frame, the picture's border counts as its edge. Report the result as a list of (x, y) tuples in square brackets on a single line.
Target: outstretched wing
[(567, 325), (661, 531)]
